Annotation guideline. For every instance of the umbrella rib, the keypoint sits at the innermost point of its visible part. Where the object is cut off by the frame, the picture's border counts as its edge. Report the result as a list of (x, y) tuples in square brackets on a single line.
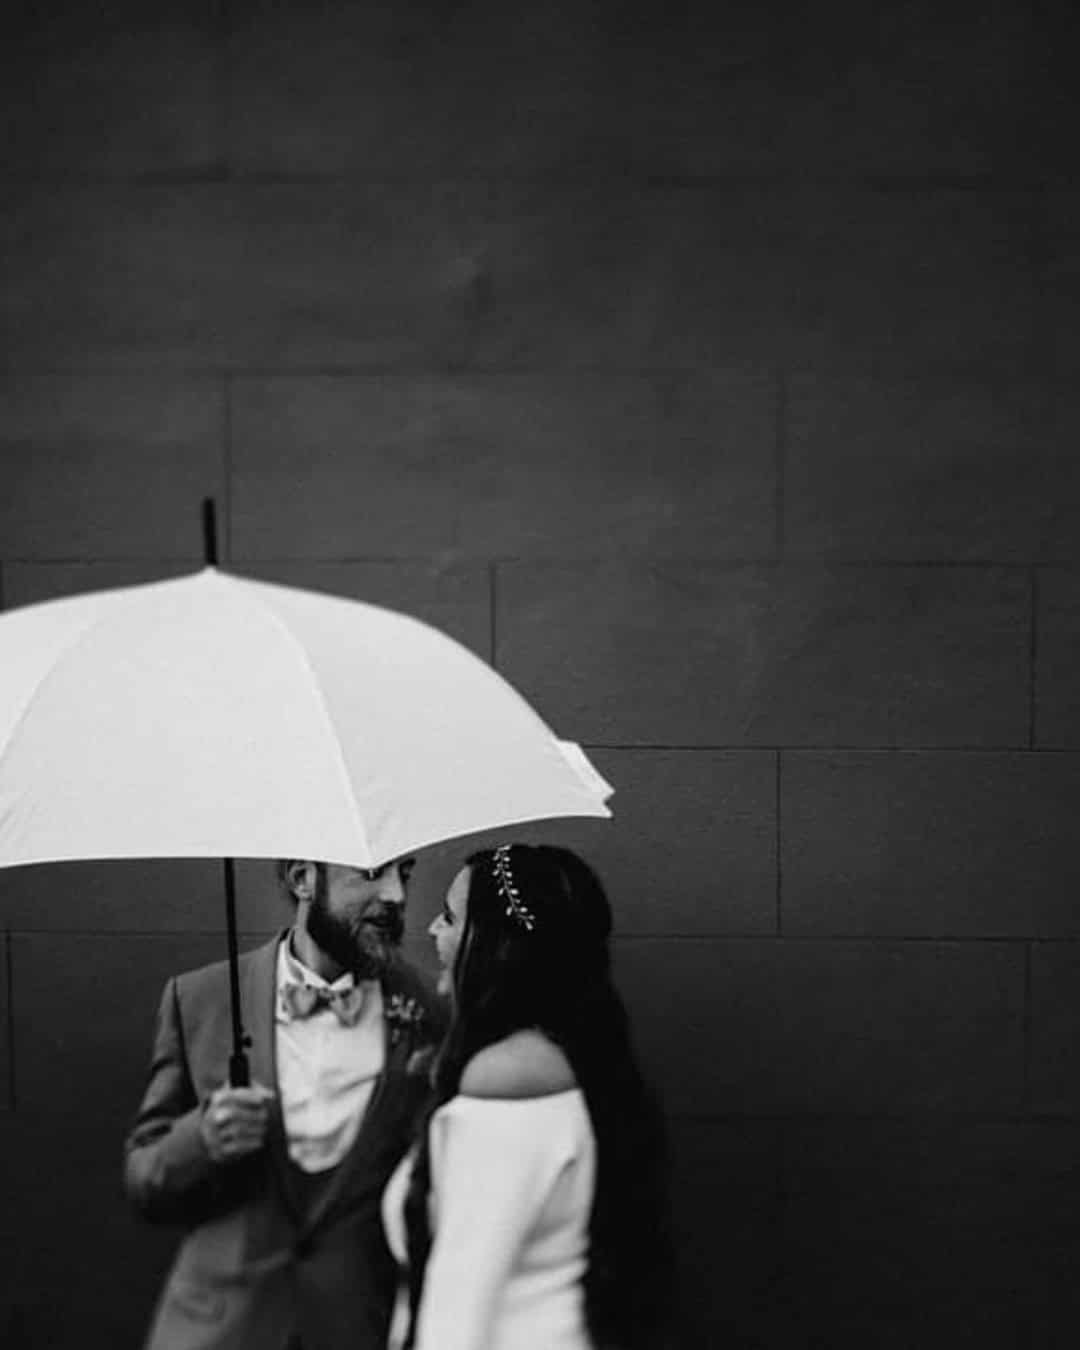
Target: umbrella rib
[(50, 674), (253, 590)]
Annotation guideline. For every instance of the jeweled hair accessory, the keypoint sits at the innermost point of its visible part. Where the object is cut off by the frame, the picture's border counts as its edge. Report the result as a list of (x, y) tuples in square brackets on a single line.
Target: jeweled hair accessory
[(516, 908)]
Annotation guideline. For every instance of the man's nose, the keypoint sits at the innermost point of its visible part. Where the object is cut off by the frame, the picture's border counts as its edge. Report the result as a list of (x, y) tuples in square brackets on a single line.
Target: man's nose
[(392, 889)]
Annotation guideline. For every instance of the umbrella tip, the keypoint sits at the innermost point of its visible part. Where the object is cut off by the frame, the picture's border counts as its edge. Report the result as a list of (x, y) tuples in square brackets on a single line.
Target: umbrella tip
[(209, 520)]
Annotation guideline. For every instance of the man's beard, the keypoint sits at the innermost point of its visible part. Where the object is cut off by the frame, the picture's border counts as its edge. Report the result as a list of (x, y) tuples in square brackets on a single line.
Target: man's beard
[(366, 946)]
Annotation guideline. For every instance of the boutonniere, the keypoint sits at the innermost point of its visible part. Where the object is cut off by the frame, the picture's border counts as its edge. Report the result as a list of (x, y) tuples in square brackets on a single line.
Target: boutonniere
[(402, 1014)]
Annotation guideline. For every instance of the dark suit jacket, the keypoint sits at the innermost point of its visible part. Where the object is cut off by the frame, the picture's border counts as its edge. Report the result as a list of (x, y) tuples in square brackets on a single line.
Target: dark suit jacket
[(254, 1268)]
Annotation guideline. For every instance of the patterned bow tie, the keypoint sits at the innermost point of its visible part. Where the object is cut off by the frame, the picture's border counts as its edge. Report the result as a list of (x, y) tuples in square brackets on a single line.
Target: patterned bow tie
[(304, 1000)]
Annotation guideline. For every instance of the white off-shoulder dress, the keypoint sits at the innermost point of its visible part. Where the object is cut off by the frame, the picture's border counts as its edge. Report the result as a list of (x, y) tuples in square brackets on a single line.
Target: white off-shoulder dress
[(512, 1182)]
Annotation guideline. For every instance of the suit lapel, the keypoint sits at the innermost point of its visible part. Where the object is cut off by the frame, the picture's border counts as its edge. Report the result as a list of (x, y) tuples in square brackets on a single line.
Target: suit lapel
[(395, 1046), (259, 991), (259, 1003)]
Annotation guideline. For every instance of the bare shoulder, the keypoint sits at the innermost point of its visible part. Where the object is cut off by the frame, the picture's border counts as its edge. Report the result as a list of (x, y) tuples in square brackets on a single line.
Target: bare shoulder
[(526, 1064)]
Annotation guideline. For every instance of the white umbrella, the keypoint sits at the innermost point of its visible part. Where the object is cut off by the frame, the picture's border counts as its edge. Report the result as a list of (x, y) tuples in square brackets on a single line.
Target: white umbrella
[(215, 715)]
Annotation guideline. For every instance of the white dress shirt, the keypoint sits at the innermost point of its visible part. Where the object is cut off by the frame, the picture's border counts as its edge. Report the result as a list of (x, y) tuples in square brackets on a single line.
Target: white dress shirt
[(326, 1071)]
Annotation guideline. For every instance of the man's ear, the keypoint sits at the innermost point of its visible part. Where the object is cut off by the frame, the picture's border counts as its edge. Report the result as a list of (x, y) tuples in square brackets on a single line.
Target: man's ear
[(300, 876)]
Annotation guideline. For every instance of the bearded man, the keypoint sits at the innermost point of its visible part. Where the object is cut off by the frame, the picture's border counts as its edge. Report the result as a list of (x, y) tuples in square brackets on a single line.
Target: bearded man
[(278, 1183)]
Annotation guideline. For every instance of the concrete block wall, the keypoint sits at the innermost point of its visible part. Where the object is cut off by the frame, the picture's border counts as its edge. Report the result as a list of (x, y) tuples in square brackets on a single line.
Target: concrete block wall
[(710, 372)]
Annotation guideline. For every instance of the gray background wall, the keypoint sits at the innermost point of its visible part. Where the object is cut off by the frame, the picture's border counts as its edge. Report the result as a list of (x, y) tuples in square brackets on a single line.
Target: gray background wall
[(712, 373)]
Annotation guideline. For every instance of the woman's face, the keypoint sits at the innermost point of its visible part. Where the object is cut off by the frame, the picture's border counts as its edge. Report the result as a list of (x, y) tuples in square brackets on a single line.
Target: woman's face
[(448, 926)]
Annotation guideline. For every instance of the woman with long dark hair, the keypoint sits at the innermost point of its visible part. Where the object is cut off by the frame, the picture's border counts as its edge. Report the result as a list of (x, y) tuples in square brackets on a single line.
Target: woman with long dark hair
[(531, 1213)]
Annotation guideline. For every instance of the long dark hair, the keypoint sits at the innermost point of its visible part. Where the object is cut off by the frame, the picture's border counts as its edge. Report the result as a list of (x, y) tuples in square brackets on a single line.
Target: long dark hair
[(556, 976)]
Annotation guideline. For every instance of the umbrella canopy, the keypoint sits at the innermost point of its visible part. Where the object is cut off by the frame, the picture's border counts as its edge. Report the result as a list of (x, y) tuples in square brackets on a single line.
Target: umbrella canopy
[(219, 716)]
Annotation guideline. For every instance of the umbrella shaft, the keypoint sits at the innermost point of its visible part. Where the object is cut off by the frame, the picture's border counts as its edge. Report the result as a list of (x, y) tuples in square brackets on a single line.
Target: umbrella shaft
[(239, 1075)]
